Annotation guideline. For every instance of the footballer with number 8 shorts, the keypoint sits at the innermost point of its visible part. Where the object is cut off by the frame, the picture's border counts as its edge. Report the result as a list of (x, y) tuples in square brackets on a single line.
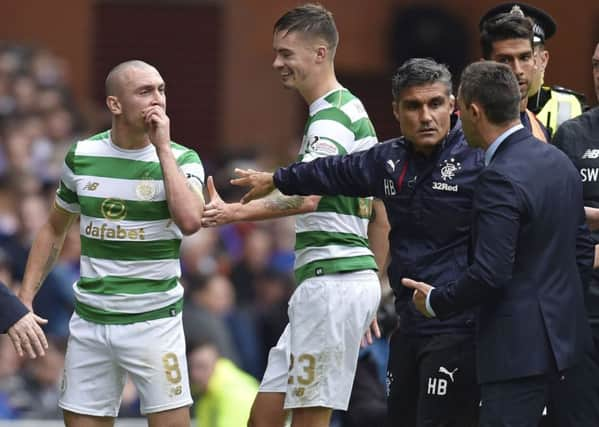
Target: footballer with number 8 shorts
[(136, 194)]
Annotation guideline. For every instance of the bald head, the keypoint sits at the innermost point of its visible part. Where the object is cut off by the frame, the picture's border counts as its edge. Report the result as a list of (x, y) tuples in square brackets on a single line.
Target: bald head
[(116, 76)]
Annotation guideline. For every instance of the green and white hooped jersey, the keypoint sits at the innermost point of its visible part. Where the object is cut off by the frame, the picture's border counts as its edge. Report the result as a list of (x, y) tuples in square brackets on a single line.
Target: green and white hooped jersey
[(334, 237), (129, 245)]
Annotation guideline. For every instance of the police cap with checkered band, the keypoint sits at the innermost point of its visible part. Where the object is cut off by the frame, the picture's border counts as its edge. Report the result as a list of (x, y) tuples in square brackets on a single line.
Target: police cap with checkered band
[(544, 25)]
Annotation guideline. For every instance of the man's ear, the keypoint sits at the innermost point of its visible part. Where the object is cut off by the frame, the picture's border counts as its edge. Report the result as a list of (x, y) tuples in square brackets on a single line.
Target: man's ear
[(113, 104), (322, 53), (476, 111), (545, 58), (451, 102), (395, 106)]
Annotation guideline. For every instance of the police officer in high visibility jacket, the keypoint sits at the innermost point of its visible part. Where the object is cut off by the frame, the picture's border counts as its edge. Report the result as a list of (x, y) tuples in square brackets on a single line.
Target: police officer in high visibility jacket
[(552, 105)]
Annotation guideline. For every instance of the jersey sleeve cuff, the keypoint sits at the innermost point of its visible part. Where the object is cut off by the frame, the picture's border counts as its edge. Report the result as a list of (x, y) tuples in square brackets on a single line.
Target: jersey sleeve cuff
[(429, 309)]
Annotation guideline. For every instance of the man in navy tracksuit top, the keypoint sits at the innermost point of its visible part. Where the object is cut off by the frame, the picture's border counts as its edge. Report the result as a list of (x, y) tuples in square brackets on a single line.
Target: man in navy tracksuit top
[(426, 181)]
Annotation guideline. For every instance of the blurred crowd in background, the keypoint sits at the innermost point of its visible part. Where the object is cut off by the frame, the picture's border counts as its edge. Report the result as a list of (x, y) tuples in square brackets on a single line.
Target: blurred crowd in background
[(238, 278)]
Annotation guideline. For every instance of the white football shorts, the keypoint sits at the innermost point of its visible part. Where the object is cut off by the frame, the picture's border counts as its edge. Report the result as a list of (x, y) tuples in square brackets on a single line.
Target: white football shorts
[(314, 361), (99, 358)]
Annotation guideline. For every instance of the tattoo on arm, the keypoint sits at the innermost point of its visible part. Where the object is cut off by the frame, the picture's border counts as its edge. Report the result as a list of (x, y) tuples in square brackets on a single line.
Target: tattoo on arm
[(49, 263), (280, 202)]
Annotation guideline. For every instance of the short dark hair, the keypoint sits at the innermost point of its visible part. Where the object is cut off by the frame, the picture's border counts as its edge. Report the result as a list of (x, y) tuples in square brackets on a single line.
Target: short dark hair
[(504, 26), (311, 19), (494, 87), (418, 72)]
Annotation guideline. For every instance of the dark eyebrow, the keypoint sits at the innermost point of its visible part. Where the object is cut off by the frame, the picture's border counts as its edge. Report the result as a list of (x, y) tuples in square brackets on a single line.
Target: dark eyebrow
[(411, 102)]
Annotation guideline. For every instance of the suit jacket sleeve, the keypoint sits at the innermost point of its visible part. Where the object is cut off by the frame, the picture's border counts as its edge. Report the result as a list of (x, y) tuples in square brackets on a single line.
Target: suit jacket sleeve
[(351, 175), (11, 309), (497, 223)]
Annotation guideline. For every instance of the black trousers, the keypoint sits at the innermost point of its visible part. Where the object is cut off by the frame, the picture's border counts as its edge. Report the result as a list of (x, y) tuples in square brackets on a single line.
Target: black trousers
[(571, 399), (514, 403), (574, 397), (432, 382)]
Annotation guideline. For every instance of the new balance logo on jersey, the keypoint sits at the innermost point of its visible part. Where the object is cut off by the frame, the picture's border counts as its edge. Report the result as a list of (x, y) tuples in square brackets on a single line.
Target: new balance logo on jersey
[(444, 370), (591, 154), (589, 174), (443, 186), (91, 186)]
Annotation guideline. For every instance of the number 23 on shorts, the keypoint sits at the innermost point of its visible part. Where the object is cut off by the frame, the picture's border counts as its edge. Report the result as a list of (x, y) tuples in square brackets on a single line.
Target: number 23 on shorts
[(307, 364)]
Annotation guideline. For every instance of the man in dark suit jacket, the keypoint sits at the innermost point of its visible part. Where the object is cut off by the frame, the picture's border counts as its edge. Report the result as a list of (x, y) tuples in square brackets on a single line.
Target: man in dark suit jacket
[(21, 325), (524, 275)]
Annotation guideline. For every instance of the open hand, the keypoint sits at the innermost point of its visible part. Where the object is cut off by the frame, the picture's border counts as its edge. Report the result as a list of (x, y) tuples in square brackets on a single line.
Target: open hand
[(27, 336), (261, 183), (216, 212), (372, 330)]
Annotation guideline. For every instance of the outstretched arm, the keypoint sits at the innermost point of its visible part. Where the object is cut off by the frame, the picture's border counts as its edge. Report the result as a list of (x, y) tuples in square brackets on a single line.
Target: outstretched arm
[(353, 175), (273, 205)]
